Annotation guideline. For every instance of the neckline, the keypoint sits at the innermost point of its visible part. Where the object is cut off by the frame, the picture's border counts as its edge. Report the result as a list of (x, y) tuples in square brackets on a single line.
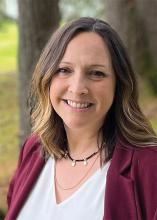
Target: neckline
[(98, 171)]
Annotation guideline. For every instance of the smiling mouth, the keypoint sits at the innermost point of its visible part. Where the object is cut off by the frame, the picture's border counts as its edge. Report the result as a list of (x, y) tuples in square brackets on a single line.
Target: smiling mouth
[(78, 105)]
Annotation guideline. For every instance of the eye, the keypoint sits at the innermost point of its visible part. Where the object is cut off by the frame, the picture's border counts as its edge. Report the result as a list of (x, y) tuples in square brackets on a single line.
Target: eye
[(97, 74), (63, 71)]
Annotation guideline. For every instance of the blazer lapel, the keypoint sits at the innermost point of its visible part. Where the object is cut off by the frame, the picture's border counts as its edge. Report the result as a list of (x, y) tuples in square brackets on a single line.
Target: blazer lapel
[(119, 196)]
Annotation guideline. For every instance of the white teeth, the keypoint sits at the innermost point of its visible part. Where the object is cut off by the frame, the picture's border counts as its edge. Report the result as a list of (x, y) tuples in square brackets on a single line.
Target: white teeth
[(77, 105)]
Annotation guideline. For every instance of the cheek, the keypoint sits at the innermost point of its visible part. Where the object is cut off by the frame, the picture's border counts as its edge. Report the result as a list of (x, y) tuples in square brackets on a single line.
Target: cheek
[(54, 87), (106, 90), (57, 91), (53, 94), (106, 94)]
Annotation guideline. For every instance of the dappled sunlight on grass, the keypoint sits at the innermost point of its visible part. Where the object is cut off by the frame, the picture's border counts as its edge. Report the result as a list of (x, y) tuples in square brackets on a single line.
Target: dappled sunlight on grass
[(8, 47)]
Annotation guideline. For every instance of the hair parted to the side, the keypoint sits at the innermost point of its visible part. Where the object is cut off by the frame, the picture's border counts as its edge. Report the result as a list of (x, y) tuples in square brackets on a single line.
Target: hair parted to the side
[(124, 118)]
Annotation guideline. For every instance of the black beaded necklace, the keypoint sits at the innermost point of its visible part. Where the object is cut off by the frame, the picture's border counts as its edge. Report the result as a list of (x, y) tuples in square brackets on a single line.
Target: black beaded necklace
[(85, 160)]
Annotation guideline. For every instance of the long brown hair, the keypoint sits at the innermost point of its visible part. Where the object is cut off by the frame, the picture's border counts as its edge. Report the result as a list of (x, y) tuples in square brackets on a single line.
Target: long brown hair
[(124, 118)]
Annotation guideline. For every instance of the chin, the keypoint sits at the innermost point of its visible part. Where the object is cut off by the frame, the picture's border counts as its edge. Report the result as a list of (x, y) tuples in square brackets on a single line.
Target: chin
[(76, 125)]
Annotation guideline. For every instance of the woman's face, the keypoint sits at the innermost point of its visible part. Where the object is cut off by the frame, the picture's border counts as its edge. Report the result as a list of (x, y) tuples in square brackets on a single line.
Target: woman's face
[(82, 90)]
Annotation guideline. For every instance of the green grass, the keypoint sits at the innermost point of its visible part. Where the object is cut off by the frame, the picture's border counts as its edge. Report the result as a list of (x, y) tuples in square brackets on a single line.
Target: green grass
[(8, 47), (9, 111), (9, 117), (9, 131)]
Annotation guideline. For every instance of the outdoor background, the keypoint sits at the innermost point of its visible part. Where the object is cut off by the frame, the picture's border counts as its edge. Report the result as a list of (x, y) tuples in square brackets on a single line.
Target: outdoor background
[(135, 21)]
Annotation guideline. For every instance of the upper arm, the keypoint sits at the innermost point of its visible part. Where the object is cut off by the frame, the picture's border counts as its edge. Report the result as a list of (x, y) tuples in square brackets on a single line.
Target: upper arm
[(13, 179), (24, 152), (145, 177)]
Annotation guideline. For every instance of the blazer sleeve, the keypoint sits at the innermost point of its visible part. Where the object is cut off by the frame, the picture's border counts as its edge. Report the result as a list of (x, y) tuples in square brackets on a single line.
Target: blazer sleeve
[(23, 154), (11, 184), (145, 177)]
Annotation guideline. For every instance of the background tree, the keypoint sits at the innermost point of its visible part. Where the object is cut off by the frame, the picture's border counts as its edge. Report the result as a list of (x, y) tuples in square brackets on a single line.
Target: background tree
[(2, 6), (136, 22), (71, 9), (2, 10), (37, 19)]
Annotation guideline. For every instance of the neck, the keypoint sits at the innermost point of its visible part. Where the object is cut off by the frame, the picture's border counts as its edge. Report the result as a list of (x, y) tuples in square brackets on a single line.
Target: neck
[(82, 143)]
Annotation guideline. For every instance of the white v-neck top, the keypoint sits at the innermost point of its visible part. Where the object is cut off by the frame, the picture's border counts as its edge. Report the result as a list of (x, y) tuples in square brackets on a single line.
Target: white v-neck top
[(87, 203)]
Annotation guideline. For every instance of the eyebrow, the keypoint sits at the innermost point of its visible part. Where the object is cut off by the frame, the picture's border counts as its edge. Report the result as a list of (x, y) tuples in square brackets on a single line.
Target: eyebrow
[(93, 65)]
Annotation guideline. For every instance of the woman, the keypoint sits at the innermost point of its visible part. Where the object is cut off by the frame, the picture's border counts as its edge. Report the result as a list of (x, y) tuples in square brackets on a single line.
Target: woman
[(92, 153)]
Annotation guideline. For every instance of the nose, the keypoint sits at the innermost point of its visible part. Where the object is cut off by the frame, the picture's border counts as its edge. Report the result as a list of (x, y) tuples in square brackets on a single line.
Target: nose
[(78, 84)]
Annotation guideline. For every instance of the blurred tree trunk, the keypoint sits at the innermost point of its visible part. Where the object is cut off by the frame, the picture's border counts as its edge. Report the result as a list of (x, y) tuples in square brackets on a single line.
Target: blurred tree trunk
[(2, 10), (136, 22), (37, 20)]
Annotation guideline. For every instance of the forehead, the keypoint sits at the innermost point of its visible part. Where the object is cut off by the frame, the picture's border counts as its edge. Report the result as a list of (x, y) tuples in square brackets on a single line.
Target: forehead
[(87, 45)]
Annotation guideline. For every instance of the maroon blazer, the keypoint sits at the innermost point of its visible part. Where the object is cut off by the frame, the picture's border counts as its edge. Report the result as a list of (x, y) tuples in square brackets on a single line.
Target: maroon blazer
[(131, 187)]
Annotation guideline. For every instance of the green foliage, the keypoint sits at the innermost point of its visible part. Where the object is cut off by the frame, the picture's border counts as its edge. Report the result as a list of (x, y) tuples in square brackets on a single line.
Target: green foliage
[(8, 47), (148, 69), (154, 124)]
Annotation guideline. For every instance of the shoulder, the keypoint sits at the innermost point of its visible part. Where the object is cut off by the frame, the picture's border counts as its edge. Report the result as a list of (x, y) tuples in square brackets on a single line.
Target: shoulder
[(140, 152), (142, 159), (145, 161), (31, 146), (146, 153), (32, 143)]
